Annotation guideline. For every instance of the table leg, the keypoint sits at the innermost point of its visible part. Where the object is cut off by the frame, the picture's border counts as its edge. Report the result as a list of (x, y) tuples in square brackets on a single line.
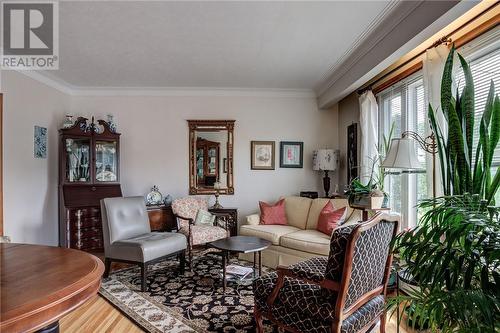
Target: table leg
[(260, 263), (52, 328), (255, 264), (224, 271)]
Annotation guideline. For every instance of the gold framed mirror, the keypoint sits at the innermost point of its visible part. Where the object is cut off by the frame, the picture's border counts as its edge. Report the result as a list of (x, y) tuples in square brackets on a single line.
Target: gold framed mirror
[(211, 145)]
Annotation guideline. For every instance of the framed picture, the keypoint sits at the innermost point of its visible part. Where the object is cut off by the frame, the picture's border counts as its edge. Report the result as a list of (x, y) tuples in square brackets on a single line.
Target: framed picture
[(40, 142), (224, 165), (262, 155), (352, 152), (291, 154)]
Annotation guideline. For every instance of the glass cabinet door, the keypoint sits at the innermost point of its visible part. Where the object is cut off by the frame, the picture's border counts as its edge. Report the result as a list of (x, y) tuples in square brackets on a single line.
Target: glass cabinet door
[(106, 161), (77, 160)]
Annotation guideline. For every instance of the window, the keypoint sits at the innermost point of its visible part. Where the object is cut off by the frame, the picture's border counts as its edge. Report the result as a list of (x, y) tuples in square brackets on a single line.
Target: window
[(402, 106)]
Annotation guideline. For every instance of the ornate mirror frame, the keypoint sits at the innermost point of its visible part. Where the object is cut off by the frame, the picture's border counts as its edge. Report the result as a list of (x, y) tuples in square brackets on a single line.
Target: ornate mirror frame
[(207, 126)]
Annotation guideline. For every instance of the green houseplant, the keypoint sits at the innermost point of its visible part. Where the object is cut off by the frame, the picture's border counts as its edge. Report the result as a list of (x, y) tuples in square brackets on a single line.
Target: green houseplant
[(454, 253)]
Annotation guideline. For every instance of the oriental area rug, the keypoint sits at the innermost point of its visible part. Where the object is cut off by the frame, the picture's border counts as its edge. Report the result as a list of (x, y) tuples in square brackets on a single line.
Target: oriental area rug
[(193, 302)]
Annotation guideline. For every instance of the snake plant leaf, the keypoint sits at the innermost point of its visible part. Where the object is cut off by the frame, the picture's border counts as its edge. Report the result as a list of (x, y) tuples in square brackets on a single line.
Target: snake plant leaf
[(446, 83), (493, 187), (456, 142), (467, 104), (494, 127), (484, 142), (440, 145)]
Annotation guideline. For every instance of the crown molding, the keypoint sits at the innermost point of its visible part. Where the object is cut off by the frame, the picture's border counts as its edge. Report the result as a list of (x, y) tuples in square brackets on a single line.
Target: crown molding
[(353, 51), (193, 92), (38, 76), (385, 24), (72, 90)]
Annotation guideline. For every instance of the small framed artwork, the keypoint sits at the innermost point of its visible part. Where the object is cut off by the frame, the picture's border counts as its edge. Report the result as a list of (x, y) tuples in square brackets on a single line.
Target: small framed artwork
[(352, 152), (40, 142), (262, 155), (224, 165), (291, 154)]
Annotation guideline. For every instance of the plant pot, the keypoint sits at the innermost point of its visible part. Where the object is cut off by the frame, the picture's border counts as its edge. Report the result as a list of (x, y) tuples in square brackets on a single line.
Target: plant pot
[(362, 200), (376, 202)]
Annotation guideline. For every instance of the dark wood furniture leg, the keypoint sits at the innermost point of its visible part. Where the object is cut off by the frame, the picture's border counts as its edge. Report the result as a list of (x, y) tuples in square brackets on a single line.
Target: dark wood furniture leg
[(258, 321), (260, 263), (255, 264), (182, 262), (143, 276), (107, 267), (52, 328), (224, 253)]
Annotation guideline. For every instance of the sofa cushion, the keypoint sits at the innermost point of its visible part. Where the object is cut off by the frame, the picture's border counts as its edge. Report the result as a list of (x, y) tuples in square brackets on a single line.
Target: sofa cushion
[(329, 218), (297, 210), (318, 204), (271, 233), (273, 214), (311, 241)]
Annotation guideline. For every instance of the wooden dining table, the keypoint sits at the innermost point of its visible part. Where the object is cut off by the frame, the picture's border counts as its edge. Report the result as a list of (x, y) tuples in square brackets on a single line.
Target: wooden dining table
[(40, 284)]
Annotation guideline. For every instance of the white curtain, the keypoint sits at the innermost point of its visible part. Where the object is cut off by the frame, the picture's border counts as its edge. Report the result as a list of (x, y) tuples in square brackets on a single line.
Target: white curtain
[(433, 65), (369, 135)]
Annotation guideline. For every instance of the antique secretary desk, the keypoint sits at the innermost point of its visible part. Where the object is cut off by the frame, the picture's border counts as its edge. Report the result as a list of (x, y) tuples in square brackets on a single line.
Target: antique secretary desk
[(89, 170)]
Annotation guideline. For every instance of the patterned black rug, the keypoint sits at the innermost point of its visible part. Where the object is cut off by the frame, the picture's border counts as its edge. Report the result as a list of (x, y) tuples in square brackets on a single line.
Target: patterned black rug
[(193, 302)]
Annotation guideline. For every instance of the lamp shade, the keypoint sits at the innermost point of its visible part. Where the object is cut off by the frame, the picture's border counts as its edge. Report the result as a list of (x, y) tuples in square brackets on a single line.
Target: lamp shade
[(402, 155), (325, 159)]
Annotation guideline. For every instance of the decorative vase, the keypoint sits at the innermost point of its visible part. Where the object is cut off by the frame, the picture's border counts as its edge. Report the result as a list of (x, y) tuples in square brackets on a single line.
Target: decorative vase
[(68, 122), (111, 123), (168, 200)]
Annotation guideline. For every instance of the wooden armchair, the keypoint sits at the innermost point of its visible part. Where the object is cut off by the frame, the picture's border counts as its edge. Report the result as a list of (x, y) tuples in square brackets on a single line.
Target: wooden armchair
[(342, 293), (185, 210)]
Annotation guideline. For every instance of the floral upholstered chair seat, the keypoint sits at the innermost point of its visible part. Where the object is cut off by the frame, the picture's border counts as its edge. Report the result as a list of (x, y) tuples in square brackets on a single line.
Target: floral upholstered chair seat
[(185, 210), (327, 294)]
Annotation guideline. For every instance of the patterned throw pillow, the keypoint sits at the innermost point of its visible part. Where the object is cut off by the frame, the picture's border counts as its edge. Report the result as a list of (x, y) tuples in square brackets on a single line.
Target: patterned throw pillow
[(329, 218), (273, 214), (203, 217)]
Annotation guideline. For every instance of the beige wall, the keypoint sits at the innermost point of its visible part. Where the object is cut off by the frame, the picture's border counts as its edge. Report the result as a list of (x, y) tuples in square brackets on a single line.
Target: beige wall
[(154, 147), (30, 184), (348, 113)]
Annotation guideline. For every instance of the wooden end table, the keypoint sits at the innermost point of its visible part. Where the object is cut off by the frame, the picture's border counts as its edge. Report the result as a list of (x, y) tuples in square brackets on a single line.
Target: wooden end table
[(240, 244)]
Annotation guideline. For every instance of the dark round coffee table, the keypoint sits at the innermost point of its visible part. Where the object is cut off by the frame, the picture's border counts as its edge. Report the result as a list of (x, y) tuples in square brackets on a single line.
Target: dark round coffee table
[(240, 244)]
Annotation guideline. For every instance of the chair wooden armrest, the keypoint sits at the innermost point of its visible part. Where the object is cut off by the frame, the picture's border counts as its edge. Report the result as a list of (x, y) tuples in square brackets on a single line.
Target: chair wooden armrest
[(190, 220), (284, 271)]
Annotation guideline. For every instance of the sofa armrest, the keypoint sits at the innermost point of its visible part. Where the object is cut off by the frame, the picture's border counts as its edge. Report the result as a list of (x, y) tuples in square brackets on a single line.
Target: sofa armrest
[(253, 219)]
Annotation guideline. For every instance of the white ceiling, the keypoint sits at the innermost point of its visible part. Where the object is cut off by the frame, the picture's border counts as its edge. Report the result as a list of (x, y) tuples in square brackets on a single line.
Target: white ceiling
[(281, 45)]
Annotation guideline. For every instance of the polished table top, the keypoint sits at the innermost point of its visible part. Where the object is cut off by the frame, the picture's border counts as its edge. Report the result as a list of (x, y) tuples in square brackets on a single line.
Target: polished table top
[(241, 244), (39, 284)]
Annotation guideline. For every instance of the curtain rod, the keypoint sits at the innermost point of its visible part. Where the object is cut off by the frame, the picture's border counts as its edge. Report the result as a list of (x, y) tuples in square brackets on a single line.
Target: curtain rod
[(442, 40)]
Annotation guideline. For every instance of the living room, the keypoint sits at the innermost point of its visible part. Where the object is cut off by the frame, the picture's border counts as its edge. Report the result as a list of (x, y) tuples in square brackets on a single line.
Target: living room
[(285, 124)]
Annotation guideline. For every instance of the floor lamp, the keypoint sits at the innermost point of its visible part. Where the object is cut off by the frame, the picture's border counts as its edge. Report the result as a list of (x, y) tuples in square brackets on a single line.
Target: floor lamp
[(402, 155)]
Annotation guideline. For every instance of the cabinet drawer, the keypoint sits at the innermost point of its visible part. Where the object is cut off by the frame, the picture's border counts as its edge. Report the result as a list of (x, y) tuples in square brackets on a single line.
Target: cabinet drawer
[(93, 243), (94, 232)]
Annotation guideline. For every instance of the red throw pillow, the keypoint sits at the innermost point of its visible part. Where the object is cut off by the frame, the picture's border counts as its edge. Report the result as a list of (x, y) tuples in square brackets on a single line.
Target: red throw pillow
[(273, 214), (329, 218)]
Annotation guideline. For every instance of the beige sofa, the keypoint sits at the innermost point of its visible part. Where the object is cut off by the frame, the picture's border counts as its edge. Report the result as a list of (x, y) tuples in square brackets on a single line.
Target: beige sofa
[(299, 239)]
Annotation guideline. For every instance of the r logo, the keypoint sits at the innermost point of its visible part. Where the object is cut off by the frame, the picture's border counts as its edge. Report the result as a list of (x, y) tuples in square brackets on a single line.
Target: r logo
[(28, 28)]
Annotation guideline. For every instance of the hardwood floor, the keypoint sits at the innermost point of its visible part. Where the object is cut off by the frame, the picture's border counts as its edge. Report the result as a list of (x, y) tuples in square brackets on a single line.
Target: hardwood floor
[(98, 316)]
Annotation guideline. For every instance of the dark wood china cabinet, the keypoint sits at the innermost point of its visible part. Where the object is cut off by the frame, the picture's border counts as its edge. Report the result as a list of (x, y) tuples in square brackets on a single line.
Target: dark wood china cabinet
[(89, 170), (207, 162)]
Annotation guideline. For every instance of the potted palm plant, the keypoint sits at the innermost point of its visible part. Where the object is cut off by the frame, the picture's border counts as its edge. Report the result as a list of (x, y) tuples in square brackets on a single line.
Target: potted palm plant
[(454, 252)]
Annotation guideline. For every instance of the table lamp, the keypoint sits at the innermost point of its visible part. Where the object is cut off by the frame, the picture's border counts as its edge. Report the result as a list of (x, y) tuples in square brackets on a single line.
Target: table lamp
[(325, 160), (217, 187)]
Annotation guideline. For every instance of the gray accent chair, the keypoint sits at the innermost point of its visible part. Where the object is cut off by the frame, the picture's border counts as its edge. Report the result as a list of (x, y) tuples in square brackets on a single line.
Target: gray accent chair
[(128, 237)]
